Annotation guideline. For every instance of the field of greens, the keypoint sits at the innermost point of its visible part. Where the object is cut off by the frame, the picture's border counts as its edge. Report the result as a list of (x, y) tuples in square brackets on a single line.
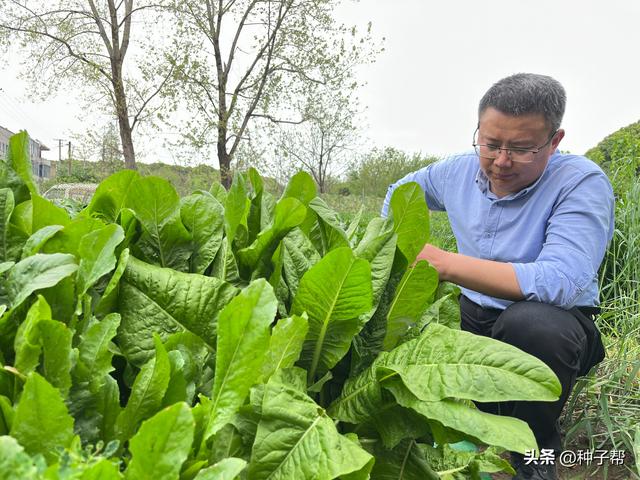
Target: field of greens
[(231, 334)]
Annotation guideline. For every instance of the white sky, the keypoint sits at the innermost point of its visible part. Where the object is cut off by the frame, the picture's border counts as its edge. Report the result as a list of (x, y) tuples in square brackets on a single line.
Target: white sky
[(441, 56)]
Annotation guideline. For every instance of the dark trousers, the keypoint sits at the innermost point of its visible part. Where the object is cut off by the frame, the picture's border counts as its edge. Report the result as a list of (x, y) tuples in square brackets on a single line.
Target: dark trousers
[(566, 340)]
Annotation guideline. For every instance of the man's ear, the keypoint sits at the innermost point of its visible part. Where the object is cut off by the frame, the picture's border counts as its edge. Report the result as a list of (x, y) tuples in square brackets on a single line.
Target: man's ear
[(557, 138)]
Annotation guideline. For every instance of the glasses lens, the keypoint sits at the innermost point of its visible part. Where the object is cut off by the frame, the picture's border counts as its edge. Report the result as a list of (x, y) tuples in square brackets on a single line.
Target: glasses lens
[(521, 156), (486, 151)]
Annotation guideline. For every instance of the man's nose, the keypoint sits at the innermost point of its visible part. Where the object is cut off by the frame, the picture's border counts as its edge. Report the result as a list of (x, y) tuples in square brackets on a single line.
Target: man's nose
[(503, 158)]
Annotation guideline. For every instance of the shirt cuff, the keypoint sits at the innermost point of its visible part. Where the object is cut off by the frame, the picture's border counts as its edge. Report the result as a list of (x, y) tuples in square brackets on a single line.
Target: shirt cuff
[(547, 283)]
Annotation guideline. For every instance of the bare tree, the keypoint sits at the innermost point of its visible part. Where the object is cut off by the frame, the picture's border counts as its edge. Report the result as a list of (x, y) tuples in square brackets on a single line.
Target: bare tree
[(84, 43), (324, 144), (252, 58)]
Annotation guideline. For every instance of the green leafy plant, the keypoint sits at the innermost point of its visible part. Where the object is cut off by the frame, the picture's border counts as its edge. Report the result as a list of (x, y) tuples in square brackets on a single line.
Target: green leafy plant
[(230, 334)]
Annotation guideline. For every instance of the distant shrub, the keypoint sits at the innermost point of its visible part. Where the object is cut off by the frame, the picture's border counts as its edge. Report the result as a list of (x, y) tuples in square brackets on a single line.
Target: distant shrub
[(373, 174), (619, 156)]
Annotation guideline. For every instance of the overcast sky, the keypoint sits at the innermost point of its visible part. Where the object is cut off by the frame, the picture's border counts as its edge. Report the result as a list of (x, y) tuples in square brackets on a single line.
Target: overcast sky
[(440, 57)]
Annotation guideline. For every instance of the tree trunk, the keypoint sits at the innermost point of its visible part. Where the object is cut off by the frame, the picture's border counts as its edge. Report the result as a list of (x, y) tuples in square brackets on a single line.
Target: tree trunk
[(224, 159), (122, 112)]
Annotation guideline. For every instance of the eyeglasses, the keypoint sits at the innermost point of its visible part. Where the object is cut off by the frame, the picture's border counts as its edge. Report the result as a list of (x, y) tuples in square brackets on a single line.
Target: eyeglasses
[(516, 154)]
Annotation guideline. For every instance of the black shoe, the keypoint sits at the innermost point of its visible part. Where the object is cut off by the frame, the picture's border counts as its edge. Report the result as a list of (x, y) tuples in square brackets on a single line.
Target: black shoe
[(532, 471)]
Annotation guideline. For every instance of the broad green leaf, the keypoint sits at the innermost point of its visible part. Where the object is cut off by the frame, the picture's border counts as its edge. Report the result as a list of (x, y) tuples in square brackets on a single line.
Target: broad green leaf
[(56, 338), (95, 406), (335, 293), (227, 469), (19, 229), (180, 388), (297, 439), (236, 210), (21, 220), (160, 300), (378, 246), (410, 219), (19, 159), (131, 227), (224, 266), (380, 251), (104, 469), (445, 311), (395, 423), (203, 216), (40, 336), (42, 422), (97, 255), (6, 266), (165, 241), (27, 341), (218, 191), (162, 444), (255, 220), (45, 213), (15, 463), (111, 195), (6, 415), (243, 340), (298, 256), (456, 464), (413, 295), (329, 227), (267, 210), (353, 225), (6, 209), (39, 239), (506, 432), (361, 398), (37, 272), (95, 357), (407, 461), (10, 179), (289, 213), (287, 338), (146, 394), (68, 239), (445, 363), (301, 187), (62, 296), (109, 299)]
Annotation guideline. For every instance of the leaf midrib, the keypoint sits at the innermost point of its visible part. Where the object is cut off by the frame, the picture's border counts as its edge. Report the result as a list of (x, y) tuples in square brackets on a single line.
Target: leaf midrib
[(325, 325), (293, 448)]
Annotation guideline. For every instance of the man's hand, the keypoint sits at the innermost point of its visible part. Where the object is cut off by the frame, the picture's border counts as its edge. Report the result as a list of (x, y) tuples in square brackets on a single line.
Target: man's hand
[(437, 258), (497, 279)]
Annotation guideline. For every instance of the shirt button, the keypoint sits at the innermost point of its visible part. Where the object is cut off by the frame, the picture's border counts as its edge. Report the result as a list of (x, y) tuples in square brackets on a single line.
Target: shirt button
[(488, 234)]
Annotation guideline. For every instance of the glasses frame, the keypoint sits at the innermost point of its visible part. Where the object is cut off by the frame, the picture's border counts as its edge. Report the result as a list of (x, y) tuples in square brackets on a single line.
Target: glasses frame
[(509, 150)]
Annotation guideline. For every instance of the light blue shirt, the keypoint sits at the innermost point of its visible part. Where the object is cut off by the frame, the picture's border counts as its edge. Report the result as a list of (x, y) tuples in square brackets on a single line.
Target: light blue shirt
[(554, 232)]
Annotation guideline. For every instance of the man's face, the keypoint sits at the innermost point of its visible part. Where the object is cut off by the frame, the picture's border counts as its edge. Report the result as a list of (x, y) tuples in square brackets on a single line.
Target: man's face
[(525, 131)]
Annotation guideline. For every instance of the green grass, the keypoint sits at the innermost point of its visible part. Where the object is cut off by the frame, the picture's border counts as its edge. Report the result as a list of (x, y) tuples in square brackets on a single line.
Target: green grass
[(604, 410)]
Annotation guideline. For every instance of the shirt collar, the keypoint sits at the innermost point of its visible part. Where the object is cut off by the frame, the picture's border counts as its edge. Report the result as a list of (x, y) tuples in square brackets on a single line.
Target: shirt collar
[(483, 183)]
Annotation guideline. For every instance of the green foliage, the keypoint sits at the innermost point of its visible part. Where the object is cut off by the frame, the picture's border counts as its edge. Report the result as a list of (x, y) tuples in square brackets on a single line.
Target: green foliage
[(379, 168), (619, 156), (230, 334), (185, 179)]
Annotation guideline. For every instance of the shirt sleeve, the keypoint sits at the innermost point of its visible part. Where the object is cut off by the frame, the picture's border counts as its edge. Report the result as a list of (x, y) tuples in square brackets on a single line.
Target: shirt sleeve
[(432, 179), (577, 234)]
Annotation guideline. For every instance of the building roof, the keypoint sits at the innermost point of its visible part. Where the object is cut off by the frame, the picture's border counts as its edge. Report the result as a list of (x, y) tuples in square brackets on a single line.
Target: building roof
[(43, 147)]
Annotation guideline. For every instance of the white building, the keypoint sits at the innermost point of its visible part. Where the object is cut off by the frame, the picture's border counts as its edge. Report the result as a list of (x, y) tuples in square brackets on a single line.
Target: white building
[(41, 167)]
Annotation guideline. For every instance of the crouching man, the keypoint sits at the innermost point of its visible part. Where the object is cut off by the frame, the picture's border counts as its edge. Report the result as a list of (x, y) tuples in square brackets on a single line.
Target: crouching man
[(532, 226)]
